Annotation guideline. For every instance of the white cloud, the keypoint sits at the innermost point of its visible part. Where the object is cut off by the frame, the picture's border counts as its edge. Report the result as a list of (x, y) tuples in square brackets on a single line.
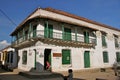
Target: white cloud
[(3, 44)]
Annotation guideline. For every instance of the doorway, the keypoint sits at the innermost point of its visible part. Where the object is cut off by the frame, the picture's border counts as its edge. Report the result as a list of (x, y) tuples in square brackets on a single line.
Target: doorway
[(47, 57), (86, 59)]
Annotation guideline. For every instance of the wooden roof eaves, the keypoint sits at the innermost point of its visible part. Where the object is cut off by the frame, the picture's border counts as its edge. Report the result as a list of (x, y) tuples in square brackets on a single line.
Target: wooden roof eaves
[(80, 18), (66, 14)]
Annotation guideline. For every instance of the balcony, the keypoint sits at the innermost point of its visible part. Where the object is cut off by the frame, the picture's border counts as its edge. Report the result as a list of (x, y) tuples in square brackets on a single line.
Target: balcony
[(55, 38)]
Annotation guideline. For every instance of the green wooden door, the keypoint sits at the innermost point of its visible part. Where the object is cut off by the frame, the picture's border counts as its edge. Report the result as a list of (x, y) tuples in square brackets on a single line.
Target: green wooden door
[(86, 59), (48, 31), (66, 57), (67, 34), (86, 37)]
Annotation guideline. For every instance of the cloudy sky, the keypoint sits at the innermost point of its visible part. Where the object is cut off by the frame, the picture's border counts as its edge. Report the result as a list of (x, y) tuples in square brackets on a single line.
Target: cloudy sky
[(15, 11)]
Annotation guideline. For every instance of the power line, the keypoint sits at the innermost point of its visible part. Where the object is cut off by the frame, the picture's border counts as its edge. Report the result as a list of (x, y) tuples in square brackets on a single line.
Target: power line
[(8, 17)]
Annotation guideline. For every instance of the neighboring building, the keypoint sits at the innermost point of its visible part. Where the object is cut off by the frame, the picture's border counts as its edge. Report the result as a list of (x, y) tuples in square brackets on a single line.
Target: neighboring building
[(8, 58), (65, 40)]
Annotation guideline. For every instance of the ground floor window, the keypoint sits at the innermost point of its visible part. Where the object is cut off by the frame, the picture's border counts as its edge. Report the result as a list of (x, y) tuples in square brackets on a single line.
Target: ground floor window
[(118, 56), (24, 57), (105, 57), (66, 58)]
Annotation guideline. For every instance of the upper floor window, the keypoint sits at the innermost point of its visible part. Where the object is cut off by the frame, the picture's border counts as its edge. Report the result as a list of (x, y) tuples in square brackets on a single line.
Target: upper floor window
[(67, 34), (104, 43), (105, 57), (86, 37), (116, 41), (34, 30), (48, 31), (24, 57)]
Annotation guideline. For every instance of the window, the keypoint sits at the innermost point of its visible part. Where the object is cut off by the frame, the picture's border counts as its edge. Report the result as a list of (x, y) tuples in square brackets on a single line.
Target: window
[(66, 57), (116, 41), (104, 40), (86, 37), (48, 31), (67, 34), (118, 56), (26, 35), (34, 30), (105, 57), (24, 57)]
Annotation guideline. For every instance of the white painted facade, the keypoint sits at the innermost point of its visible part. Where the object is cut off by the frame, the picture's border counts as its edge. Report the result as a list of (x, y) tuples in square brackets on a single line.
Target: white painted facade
[(76, 53)]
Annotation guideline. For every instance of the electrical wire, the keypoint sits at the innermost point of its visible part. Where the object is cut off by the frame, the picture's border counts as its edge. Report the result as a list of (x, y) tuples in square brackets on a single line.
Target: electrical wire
[(8, 17)]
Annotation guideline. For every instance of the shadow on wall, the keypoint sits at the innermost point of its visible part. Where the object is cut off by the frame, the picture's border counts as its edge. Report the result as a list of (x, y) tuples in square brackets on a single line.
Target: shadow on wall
[(39, 67)]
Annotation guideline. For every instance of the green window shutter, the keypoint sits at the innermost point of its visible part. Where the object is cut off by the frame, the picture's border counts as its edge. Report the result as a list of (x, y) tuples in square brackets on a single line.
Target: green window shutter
[(34, 30), (118, 56), (67, 34), (86, 59), (104, 41), (116, 43), (48, 31), (105, 57), (66, 57), (86, 37), (24, 57)]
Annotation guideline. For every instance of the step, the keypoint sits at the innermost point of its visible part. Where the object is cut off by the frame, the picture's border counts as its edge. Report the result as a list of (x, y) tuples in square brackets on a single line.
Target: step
[(41, 75)]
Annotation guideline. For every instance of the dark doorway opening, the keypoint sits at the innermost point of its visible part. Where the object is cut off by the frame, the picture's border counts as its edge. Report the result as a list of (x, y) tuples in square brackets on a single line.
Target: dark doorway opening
[(47, 57)]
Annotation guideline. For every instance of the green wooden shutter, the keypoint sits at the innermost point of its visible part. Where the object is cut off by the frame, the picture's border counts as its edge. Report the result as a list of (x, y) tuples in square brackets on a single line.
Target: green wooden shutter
[(67, 34), (86, 59), (86, 37), (103, 41), (34, 31), (50, 31), (105, 57), (118, 56), (66, 57)]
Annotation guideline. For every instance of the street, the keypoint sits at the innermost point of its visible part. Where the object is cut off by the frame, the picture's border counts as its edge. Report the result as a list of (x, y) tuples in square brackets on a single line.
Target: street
[(107, 75)]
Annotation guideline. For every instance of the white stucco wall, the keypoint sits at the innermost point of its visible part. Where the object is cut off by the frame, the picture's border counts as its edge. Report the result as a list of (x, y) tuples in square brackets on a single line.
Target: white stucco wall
[(77, 53)]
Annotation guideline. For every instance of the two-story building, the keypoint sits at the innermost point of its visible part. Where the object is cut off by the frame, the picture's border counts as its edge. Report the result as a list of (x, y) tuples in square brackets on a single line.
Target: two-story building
[(65, 40)]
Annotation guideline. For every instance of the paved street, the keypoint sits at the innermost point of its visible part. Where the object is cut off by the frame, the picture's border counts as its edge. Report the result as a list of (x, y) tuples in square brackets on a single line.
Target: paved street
[(108, 75)]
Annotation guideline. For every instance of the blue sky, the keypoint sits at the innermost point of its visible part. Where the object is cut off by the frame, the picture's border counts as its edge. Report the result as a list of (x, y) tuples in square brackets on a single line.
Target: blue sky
[(103, 11)]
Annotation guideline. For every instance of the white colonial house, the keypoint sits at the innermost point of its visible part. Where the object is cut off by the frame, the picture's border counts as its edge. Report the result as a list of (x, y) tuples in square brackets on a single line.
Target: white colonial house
[(8, 58), (65, 40)]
